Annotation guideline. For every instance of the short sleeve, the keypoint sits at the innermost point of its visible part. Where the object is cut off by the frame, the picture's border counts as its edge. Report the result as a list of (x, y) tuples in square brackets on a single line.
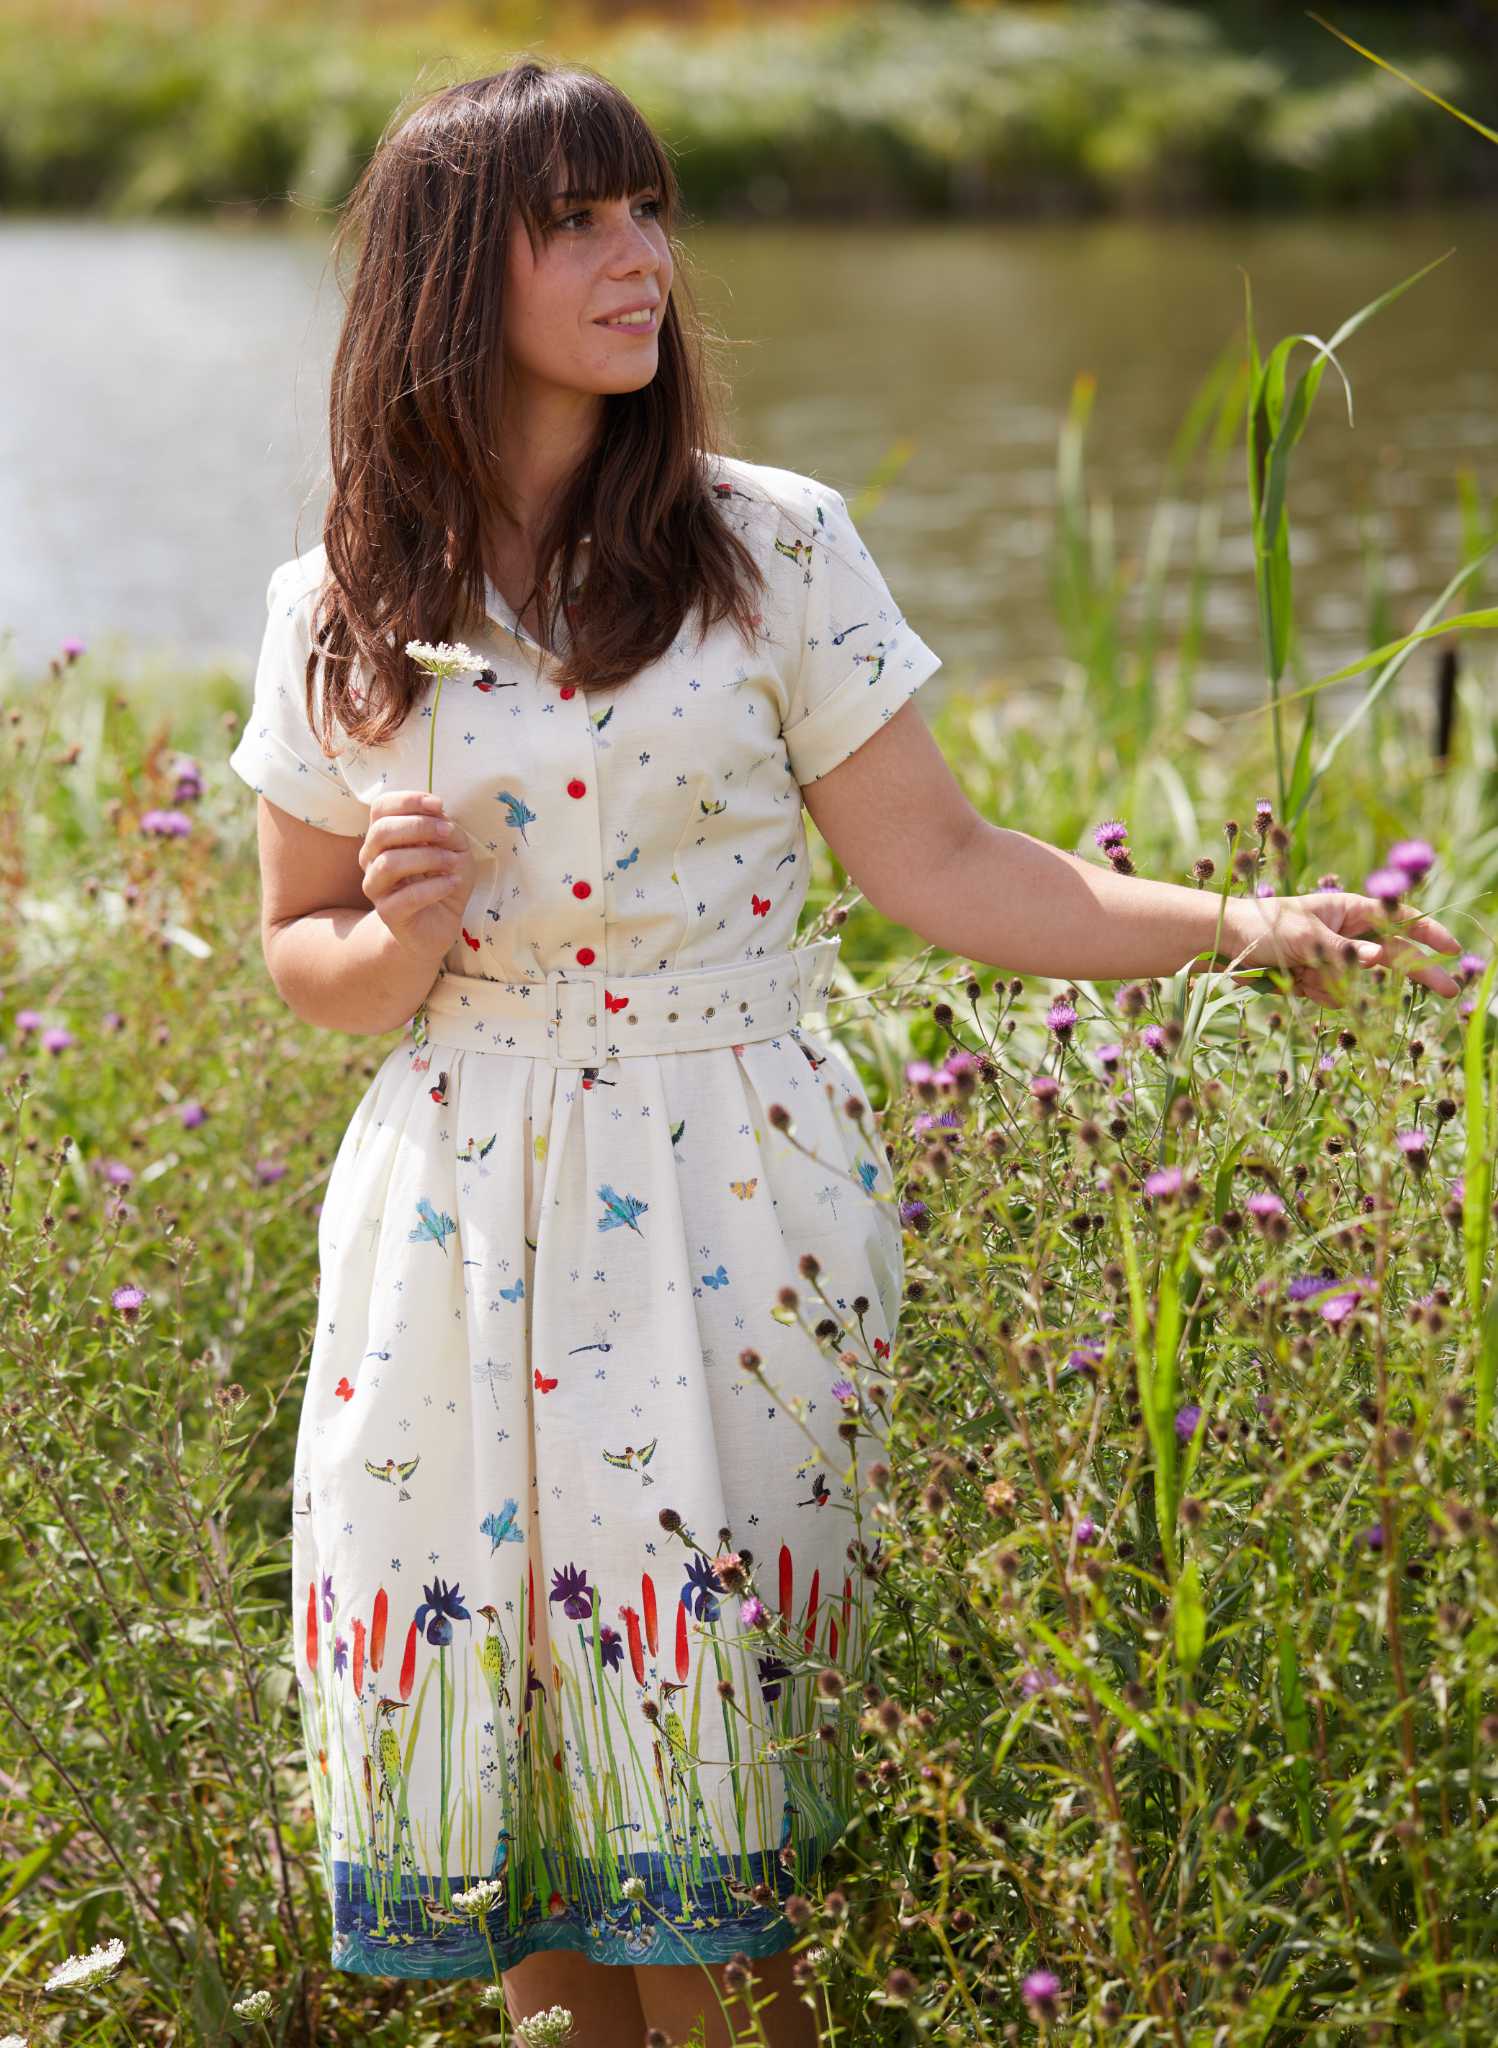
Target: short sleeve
[(859, 660), (279, 754)]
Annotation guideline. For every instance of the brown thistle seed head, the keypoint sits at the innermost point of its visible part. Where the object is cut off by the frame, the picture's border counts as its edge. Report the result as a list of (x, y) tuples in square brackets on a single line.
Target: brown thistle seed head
[(797, 1909)]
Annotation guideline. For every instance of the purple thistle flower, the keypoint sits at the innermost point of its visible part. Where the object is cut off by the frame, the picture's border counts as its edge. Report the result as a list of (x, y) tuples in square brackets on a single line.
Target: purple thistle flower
[(28, 1020), (1387, 884), (166, 824), (1372, 1536), (1340, 1306), (843, 1390), (1108, 1057), (73, 648), (268, 1171), (1153, 1036), (1415, 856), (1306, 1284), (1188, 1420), (1264, 1202), (117, 1173), (192, 1114), (1044, 1087), (128, 1300), (1413, 1142), (1087, 1532), (752, 1611), (57, 1039), (1471, 964), (1061, 1018), (1041, 1989), (1112, 832), (1263, 814), (1036, 1678), (1165, 1182), (1266, 889), (1085, 1359), (914, 1211)]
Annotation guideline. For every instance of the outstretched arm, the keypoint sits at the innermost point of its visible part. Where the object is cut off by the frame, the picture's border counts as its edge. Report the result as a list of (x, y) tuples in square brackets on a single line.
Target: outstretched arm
[(897, 819)]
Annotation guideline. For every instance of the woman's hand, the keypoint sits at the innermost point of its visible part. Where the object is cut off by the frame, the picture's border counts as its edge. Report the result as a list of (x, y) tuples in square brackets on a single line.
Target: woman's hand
[(419, 870), (1308, 935)]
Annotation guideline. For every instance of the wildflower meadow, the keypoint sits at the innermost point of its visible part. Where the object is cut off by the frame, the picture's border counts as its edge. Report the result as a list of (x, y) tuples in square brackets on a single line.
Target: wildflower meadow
[(1181, 1716)]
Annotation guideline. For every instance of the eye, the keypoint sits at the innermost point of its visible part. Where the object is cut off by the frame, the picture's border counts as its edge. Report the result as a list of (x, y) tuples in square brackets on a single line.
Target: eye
[(583, 212)]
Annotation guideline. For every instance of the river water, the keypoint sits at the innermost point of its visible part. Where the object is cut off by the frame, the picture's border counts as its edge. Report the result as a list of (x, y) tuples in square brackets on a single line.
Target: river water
[(165, 391)]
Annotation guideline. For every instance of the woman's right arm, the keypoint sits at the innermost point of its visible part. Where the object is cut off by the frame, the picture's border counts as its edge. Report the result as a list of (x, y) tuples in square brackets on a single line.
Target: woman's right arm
[(354, 931)]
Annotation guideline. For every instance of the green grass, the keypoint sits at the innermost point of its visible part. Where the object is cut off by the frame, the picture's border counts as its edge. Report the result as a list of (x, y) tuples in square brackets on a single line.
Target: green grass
[(1195, 1711)]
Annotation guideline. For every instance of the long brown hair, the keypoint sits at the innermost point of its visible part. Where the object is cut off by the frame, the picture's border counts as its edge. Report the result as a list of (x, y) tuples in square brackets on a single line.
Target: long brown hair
[(415, 388)]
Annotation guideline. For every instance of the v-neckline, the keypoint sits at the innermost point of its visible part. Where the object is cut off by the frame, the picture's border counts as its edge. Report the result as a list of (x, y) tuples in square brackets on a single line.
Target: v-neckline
[(499, 608)]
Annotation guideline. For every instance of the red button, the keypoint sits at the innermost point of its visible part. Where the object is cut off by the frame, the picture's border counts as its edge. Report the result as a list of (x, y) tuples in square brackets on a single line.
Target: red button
[(568, 690), (577, 787), (586, 956), (582, 888)]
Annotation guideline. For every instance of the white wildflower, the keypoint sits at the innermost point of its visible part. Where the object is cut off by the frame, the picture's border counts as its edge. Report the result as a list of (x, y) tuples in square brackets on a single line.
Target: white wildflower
[(442, 657), (633, 1887), (12, 2041), (101, 1961), (481, 1897), (255, 2006), (493, 1994), (547, 2029)]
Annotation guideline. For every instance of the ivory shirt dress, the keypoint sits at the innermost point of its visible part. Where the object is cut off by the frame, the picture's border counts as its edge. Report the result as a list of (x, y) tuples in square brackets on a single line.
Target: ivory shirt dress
[(536, 1283)]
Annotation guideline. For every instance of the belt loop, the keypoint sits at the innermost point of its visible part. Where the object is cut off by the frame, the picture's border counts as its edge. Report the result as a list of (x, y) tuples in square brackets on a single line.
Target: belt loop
[(815, 966)]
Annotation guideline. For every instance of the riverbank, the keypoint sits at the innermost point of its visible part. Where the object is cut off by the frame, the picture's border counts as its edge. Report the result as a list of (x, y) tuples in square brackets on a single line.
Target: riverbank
[(876, 110)]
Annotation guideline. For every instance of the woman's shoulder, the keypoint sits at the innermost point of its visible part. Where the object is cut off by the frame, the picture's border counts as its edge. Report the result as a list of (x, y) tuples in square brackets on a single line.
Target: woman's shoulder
[(295, 581), (786, 494)]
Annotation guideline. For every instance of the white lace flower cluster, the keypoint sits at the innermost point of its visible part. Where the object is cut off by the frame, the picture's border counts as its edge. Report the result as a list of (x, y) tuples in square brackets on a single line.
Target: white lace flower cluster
[(547, 2029), (480, 1897), (442, 658), (102, 1960)]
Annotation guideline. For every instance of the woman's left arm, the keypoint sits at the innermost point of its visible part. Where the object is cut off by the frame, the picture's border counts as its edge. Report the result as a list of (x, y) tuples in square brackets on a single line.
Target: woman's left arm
[(897, 820)]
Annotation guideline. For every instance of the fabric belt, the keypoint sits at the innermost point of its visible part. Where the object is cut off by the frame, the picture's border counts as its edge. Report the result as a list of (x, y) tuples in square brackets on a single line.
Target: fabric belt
[(585, 1017)]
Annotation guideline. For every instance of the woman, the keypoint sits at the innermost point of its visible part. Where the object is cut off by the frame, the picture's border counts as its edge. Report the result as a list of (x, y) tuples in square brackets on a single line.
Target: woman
[(610, 1268)]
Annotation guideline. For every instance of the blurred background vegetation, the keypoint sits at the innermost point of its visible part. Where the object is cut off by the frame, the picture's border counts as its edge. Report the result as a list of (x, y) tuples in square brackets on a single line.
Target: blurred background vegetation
[(963, 107)]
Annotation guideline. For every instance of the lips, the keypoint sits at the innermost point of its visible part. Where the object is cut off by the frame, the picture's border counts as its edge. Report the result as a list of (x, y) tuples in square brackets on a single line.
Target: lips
[(646, 306)]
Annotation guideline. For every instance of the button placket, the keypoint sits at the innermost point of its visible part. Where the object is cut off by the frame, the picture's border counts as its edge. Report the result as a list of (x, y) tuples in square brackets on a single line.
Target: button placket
[(583, 789)]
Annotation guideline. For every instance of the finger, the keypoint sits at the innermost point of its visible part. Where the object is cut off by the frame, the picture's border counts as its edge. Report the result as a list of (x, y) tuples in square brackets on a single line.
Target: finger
[(1429, 930), (1399, 954)]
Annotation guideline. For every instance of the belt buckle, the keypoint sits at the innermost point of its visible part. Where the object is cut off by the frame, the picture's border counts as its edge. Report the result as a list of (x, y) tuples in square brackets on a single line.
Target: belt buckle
[(591, 980)]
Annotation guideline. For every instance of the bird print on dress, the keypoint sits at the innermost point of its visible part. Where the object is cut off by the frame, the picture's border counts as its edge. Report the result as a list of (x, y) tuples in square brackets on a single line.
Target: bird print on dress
[(394, 1473), (632, 1460)]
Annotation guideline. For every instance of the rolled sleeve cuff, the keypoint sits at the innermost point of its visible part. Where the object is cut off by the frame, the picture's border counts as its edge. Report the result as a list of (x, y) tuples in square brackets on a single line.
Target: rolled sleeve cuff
[(263, 760), (857, 707)]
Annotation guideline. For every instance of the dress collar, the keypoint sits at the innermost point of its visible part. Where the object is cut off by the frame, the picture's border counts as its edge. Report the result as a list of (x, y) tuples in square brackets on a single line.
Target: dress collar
[(499, 611)]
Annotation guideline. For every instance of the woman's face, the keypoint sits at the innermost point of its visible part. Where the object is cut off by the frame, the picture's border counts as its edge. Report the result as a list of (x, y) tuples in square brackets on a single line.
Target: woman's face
[(599, 257)]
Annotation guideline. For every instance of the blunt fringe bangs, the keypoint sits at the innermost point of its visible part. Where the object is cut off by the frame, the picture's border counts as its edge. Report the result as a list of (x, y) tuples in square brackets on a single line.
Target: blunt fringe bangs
[(415, 392)]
